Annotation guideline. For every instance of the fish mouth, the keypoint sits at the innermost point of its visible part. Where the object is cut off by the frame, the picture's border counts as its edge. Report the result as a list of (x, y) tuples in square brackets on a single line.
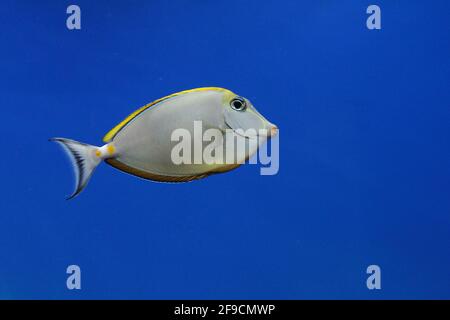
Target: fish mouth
[(273, 131), (240, 134)]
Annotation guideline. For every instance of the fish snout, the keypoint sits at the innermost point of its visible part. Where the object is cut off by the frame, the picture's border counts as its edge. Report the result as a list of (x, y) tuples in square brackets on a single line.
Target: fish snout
[(272, 130)]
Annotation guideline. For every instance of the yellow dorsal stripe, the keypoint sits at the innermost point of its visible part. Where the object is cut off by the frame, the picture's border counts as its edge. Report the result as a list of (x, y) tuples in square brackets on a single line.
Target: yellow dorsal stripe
[(111, 134)]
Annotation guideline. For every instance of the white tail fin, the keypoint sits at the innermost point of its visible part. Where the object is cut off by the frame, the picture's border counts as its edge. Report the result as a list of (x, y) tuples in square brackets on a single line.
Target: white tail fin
[(83, 159)]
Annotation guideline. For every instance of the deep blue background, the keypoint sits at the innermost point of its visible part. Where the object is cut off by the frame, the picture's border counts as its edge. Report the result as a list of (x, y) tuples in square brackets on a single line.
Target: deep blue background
[(364, 120)]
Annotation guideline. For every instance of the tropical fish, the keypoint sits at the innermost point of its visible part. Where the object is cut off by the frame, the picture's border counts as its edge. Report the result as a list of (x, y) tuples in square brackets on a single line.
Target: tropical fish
[(143, 143)]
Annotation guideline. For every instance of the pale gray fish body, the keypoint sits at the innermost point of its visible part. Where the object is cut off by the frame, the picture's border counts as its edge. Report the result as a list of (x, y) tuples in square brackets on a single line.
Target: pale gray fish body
[(143, 144)]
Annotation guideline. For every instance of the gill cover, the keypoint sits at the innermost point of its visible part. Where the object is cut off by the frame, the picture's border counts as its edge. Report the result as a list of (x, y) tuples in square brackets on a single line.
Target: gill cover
[(244, 118)]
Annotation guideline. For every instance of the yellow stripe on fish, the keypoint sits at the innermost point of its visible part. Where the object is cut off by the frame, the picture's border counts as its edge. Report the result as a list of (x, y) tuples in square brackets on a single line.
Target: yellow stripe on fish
[(110, 135)]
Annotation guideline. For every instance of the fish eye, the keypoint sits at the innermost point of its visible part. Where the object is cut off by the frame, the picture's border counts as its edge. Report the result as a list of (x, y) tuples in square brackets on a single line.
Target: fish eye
[(238, 104)]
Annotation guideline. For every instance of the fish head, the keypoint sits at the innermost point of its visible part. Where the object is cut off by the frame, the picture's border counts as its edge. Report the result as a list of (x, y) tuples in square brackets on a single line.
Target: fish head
[(242, 117)]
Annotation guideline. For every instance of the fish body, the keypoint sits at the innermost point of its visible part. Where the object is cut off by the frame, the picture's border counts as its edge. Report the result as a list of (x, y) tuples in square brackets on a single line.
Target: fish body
[(143, 144)]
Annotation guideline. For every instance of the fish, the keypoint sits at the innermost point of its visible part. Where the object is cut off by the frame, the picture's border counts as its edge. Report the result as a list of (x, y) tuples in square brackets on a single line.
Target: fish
[(147, 141)]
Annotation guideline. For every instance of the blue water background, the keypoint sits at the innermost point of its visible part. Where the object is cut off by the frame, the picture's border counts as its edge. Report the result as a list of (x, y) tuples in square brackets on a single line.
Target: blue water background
[(364, 178)]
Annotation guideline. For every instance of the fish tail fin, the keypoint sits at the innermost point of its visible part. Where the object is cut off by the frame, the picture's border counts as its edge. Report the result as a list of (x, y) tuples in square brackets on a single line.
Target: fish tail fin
[(84, 158)]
